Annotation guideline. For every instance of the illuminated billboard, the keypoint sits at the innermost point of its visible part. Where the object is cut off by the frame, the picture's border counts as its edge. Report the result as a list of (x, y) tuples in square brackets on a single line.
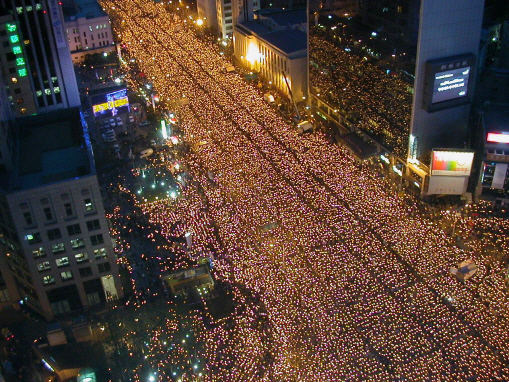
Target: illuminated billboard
[(497, 138), (110, 104), (451, 163), (448, 82)]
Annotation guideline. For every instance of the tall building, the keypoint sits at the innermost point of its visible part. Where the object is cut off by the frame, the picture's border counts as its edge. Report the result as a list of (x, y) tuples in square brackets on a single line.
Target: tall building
[(41, 39), (401, 77), (56, 253), (88, 30)]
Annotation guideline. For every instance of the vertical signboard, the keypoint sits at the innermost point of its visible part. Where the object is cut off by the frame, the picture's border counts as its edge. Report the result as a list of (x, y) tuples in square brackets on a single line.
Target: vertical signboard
[(499, 176), (56, 21)]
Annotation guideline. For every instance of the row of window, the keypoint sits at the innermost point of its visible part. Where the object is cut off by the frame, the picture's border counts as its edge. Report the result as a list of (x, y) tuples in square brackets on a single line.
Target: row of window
[(60, 247), (84, 272), (64, 261), (73, 229), (48, 212)]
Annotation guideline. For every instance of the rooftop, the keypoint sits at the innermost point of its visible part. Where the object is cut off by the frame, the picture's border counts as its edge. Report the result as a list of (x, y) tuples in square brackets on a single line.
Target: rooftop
[(88, 9), (286, 40), (286, 18), (52, 149)]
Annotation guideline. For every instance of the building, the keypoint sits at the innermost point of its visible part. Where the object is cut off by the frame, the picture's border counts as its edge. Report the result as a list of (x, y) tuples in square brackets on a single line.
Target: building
[(13, 60), (275, 46), (53, 220), (88, 30), (230, 12), (39, 40), (207, 11), (493, 181)]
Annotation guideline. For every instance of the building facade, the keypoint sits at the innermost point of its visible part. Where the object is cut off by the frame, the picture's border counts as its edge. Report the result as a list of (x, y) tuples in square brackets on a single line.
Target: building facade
[(40, 37), (275, 46), (55, 220), (88, 31)]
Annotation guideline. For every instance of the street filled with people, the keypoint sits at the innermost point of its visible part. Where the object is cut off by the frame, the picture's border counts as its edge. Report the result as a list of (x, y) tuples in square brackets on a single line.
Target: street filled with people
[(335, 276), (343, 76)]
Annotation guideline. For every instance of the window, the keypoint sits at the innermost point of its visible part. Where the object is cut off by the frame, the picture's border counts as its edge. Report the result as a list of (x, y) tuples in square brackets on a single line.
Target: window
[(62, 262), (67, 275), (87, 271), (104, 267), (54, 234), (68, 209), (28, 218), (33, 238), (88, 205), (81, 257), (4, 295), (48, 214), (73, 229), (77, 243), (97, 239), (39, 252), (43, 266), (58, 248), (100, 253), (93, 225), (48, 280)]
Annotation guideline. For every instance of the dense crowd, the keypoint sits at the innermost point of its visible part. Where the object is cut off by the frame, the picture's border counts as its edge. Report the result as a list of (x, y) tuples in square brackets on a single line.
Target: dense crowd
[(355, 281), (346, 79)]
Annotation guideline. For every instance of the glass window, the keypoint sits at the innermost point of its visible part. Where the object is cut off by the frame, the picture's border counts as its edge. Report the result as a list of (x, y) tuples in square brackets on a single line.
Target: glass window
[(62, 262), (33, 238), (54, 234), (87, 271), (77, 243), (28, 218), (100, 253), (58, 248), (97, 239), (43, 266), (104, 267), (68, 209), (88, 205), (73, 229), (39, 252), (93, 225), (48, 280), (81, 257), (48, 214), (67, 275)]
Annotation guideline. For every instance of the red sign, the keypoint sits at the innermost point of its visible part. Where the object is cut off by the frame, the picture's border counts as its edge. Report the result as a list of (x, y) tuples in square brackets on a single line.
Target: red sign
[(497, 138)]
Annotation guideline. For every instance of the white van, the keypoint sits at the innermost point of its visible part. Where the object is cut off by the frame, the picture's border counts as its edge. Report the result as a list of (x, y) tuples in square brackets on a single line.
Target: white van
[(146, 153), (304, 127)]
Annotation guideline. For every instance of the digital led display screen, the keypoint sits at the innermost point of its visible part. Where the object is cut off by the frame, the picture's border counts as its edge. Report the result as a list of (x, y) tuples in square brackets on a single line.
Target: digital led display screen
[(452, 163), (110, 104), (450, 84)]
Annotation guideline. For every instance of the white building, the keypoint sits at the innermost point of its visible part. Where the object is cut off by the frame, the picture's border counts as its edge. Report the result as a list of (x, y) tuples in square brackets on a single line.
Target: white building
[(88, 30), (275, 46), (58, 229)]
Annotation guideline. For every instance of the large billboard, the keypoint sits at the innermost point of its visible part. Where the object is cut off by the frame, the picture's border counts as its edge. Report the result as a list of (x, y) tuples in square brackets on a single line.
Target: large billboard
[(448, 82), (110, 104), (451, 163)]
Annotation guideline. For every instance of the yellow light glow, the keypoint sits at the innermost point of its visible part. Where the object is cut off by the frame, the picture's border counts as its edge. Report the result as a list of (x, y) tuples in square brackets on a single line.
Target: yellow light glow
[(252, 53), (199, 22)]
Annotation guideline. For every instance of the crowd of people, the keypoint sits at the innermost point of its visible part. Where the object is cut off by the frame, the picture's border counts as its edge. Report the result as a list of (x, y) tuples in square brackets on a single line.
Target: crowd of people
[(354, 280), (346, 79)]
